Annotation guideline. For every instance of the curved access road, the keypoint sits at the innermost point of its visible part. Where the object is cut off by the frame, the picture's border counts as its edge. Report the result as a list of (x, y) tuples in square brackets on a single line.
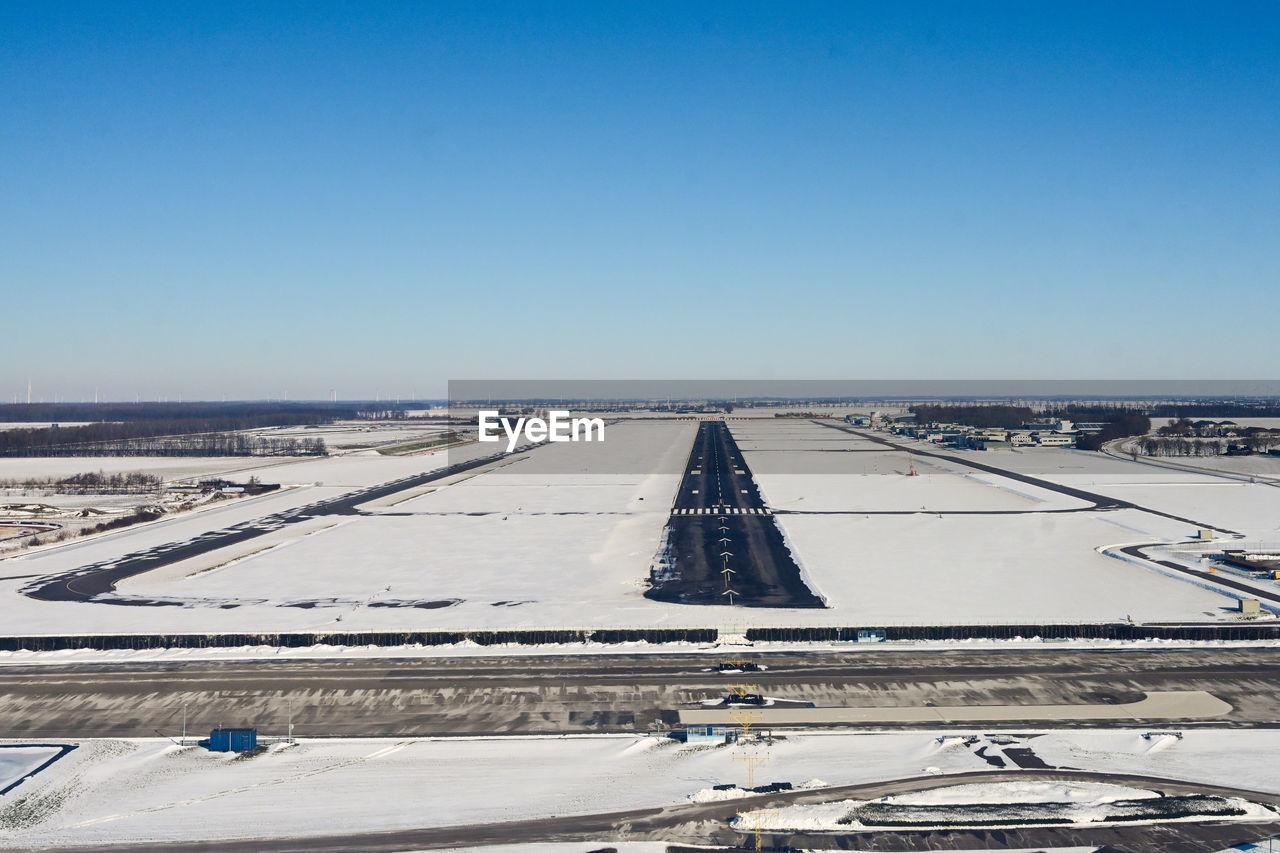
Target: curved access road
[(708, 823), (1099, 501)]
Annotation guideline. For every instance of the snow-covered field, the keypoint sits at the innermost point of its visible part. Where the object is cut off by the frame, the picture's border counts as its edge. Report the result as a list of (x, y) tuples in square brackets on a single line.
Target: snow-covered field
[(1023, 792), (352, 435), (110, 791), (8, 425), (1028, 803), (1249, 507), (1265, 423), (1257, 467), (923, 568), (165, 467), (470, 649), (574, 570), (17, 761), (564, 536), (955, 542), (364, 468), (593, 847)]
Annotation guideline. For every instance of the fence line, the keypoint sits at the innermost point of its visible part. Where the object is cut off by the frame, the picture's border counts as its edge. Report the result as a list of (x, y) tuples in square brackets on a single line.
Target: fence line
[(614, 636)]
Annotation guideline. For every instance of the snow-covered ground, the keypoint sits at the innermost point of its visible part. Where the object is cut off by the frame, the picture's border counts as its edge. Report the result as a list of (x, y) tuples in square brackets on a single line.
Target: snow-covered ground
[(577, 847), (1027, 803), (345, 436), (364, 469), (18, 761), (572, 570), (930, 491), (1259, 467), (470, 649), (1234, 506), (1023, 792), (165, 467), (110, 791), (966, 543), (564, 537), (1265, 423), (8, 425), (930, 569), (37, 502)]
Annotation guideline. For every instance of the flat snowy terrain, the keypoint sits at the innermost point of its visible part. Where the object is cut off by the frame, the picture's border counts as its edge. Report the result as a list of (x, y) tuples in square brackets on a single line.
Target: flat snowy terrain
[(113, 791), (1077, 803), (922, 568), (565, 536)]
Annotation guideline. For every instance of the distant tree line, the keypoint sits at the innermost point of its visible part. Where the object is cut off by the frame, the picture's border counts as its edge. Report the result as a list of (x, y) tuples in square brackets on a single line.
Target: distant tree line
[(92, 483), (255, 413), (1184, 437), (189, 437), (974, 416), (1118, 425), (1098, 411), (1179, 446), (1157, 446), (1091, 411), (1217, 409), (1211, 429), (201, 444)]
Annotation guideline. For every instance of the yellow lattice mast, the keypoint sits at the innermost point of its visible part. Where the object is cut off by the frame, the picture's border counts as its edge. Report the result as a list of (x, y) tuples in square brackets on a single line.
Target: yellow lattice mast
[(757, 820), (746, 719), (752, 761)]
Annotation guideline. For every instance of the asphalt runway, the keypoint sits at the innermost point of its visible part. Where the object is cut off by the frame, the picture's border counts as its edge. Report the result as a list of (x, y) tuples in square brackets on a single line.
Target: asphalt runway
[(723, 544), (612, 693)]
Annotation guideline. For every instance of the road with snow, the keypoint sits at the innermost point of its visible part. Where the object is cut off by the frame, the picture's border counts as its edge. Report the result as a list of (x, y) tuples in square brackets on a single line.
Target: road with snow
[(706, 823), (608, 693)]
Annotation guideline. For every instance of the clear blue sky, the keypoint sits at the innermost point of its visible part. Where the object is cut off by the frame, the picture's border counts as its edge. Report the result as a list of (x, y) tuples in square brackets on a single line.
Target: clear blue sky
[(248, 199)]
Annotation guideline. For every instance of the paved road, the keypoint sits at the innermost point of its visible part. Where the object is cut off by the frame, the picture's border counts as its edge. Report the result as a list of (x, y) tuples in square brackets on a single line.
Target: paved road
[(708, 823), (722, 544), (1164, 705), (1219, 578), (605, 693)]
